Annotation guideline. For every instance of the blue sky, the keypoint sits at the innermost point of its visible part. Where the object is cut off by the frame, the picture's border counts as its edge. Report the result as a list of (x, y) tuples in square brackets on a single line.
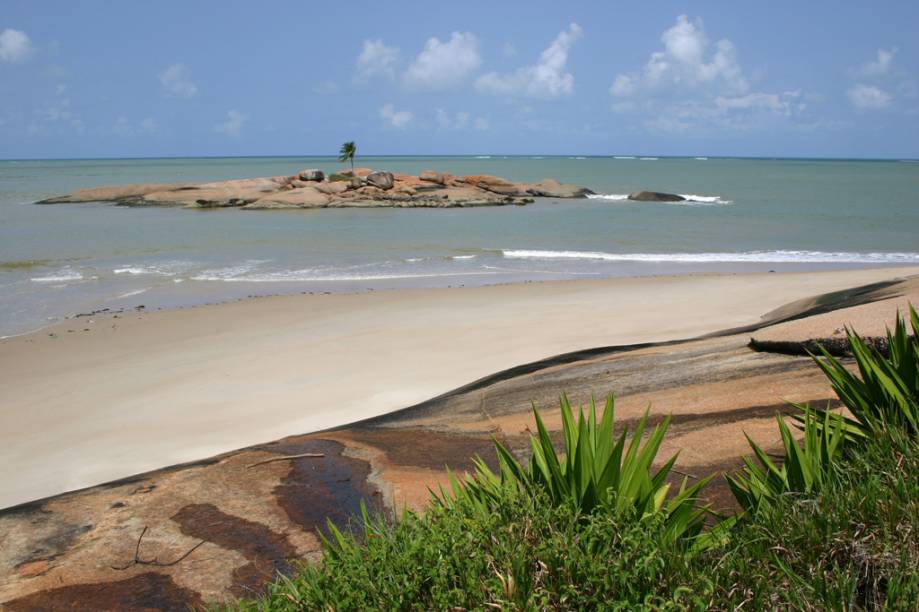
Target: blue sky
[(167, 78)]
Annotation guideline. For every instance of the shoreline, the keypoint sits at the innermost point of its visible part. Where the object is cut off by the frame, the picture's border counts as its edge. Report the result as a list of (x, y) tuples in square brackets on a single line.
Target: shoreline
[(144, 390), (178, 295)]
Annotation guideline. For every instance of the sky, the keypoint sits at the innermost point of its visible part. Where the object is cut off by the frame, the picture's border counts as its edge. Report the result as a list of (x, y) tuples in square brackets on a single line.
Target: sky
[(176, 78)]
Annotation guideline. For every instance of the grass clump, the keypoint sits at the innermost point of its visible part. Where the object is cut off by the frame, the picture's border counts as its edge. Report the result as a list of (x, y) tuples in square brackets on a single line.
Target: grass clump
[(832, 523), (527, 554)]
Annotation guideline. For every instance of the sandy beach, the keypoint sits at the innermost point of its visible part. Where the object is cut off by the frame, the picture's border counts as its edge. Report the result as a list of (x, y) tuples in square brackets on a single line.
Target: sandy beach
[(98, 398)]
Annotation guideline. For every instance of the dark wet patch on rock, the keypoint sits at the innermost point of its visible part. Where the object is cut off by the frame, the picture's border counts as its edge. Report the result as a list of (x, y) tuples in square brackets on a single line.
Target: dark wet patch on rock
[(149, 591), (428, 449), (56, 543), (330, 487), (268, 552)]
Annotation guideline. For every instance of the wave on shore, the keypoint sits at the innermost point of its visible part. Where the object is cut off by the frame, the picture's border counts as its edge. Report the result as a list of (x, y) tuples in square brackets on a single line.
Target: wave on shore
[(750, 256), (690, 199)]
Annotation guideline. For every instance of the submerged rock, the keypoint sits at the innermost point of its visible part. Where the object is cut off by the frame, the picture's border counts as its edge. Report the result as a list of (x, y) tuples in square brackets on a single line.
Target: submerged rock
[(655, 196), (550, 188)]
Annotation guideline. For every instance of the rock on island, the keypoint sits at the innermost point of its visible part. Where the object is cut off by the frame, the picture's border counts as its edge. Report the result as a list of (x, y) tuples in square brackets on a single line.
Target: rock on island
[(311, 188)]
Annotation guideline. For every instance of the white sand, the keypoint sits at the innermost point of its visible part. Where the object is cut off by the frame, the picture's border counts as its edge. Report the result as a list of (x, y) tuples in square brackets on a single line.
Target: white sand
[(144, 391)]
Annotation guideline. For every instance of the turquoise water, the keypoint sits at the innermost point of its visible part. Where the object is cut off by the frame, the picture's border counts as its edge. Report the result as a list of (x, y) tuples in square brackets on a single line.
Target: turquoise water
[(750, 214)]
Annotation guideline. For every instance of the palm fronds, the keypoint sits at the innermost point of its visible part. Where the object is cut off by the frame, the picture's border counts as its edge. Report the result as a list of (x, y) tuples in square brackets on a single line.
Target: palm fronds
[(347, 152)]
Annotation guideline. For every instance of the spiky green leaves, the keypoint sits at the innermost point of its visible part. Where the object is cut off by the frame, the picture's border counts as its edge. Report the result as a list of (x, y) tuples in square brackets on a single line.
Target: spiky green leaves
[(886, 392), (597, 472), (802, 469)]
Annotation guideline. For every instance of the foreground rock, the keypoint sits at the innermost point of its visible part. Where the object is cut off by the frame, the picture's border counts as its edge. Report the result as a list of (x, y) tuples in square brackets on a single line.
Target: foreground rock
[(222, 528), (311, 188), (655, 196)]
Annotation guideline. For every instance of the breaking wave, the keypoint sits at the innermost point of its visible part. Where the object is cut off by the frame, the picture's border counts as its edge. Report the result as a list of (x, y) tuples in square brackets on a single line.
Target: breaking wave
[(690, 198), (749, 256)]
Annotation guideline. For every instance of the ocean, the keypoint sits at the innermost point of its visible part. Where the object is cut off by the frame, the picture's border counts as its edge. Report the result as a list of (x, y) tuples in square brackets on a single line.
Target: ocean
[(745, 215)]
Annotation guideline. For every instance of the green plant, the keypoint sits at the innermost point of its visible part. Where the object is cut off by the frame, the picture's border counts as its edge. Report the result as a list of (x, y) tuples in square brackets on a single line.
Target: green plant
[(887, 394), (802, 469), (347, 152), (598, 473)]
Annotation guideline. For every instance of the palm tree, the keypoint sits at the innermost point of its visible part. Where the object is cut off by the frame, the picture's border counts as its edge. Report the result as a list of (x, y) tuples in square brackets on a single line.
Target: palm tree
[(347, 153)]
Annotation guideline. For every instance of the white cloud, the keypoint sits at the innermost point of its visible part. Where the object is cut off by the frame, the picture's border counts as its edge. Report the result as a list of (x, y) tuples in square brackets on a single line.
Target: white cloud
[(443, 65), (396, 119), (692, 83), (780, 104), (545, 79), (877, 67), (685, 64), (376, 59), (233, 125), (15, 46), (869, 97), (124, 127), (176, 81), (461, 120), (447, 121)]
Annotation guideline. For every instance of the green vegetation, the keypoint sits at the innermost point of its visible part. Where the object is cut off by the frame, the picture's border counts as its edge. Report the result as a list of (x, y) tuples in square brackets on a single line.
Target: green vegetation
[(347, 152), (24, 264), (833, 524)]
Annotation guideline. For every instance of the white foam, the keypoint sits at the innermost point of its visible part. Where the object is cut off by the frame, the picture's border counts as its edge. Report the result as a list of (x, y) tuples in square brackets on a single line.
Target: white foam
[(690, 198), (483, 156), (310, 275), (704, 199), (166, 268), (132, 293), (647, 158), (461, 257), (608, 196), (702, 158), (749, 256), (623, 157), (61, 276)]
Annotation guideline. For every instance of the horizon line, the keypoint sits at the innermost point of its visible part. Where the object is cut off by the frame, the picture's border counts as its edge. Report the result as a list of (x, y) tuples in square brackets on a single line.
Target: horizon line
[(472, 155)]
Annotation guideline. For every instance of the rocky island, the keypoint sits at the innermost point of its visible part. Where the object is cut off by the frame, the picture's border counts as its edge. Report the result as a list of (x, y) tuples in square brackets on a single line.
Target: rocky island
[(311, 188)]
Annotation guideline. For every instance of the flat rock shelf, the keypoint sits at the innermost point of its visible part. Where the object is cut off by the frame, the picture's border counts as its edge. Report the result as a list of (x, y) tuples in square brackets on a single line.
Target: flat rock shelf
[(311, 188)]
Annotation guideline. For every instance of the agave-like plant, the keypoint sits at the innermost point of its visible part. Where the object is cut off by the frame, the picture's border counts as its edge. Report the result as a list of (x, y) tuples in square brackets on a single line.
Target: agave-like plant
[(598, 472), (887, 394), (802, 469)]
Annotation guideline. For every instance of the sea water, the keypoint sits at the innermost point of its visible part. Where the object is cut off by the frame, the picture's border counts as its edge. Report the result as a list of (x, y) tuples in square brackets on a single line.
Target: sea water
[(742, 215)]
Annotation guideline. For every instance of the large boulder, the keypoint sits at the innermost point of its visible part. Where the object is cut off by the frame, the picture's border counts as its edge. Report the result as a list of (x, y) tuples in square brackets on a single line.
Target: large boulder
[(311, 174), (550, 188), (441, 178), (382, 180), (332, 188), (304, 197), (655, 196), (485, 179)]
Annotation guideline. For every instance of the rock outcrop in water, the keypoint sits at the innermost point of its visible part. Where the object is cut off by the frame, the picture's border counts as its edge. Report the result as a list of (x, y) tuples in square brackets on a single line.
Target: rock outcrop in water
[(311, 188), (655, 196)]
